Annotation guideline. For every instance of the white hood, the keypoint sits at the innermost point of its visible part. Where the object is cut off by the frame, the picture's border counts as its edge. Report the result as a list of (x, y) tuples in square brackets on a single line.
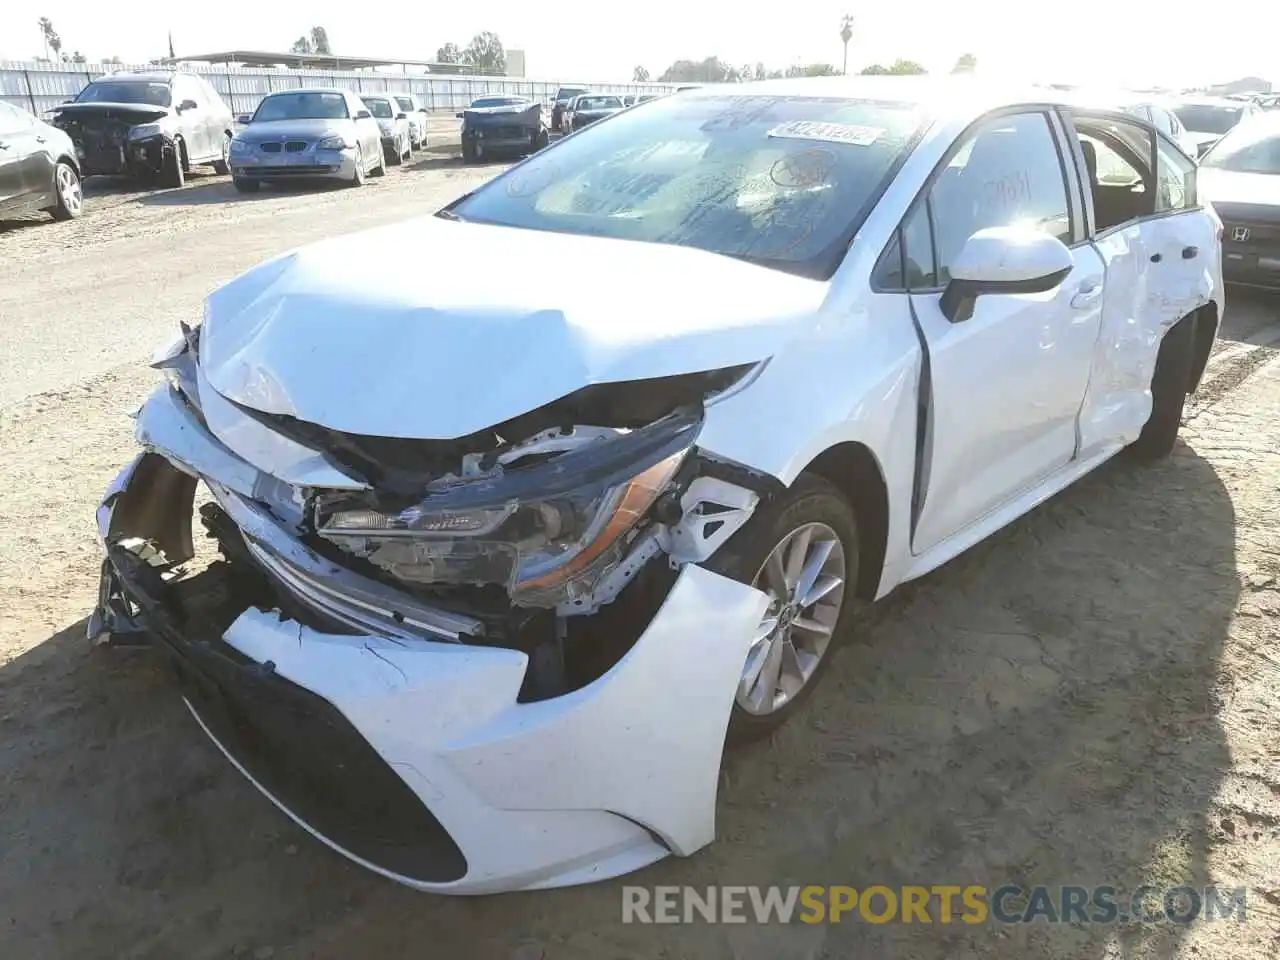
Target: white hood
[(435, 329), (1229, 186)]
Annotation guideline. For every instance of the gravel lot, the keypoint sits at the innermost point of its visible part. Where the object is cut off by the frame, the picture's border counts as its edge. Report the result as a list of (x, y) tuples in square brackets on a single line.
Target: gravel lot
[(1093, 696)]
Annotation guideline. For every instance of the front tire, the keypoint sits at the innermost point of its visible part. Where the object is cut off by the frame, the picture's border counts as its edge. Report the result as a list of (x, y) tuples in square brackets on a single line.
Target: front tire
[(357, 178), (801, 549), (171, 172), (223, 167), (469, 154), (69, 192), (1169, 384)]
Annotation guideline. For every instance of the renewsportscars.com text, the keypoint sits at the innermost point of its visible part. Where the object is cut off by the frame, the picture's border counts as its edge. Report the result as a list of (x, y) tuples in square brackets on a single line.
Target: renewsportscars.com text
[(934, 904)]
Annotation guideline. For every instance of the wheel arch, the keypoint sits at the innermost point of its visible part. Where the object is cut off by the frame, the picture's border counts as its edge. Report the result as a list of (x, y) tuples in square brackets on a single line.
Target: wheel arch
[(1206, 321), (855, 471), (70, 161)]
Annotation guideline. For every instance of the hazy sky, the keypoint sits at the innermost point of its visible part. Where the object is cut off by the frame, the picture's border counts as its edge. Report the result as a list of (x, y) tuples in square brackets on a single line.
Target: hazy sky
[(1115, 42)]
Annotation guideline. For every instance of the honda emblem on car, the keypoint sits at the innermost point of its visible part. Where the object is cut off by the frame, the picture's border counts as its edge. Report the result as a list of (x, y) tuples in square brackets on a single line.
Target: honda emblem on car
[(1240, 234)]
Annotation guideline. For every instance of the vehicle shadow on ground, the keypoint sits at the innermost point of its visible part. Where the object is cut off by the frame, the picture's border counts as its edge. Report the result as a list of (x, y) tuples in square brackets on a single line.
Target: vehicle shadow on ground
[(224, 191), (25, 223), (1042, 710), (432, 160)]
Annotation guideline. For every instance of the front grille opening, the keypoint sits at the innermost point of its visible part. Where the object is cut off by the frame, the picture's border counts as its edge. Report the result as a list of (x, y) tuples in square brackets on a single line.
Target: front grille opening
[(297, 745)]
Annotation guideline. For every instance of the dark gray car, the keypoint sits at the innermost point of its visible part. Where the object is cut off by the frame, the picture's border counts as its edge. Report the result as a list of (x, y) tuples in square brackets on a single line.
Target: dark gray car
[(38, 168), (152, 124)]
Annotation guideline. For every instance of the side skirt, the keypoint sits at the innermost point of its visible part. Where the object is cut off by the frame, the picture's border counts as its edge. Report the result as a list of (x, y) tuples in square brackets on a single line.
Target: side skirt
[(1005, 514)]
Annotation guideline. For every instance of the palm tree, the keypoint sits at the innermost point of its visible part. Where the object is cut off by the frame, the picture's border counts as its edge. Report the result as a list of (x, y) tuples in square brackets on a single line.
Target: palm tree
[(846, 34)]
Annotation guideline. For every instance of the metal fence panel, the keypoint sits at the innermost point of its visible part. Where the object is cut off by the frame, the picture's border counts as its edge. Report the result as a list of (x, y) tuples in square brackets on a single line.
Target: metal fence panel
[(38, 86)]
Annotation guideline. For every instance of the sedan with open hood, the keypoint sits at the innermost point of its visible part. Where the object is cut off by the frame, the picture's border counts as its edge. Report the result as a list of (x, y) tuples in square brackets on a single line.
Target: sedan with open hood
[(502, 566), (501, 125)]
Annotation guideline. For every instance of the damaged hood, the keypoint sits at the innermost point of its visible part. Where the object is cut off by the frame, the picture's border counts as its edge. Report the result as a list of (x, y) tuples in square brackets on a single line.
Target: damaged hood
[(127, 112), (436, 329)]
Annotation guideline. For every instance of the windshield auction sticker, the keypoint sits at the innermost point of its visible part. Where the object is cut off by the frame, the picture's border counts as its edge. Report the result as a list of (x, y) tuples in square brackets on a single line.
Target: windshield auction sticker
[(828, 132)]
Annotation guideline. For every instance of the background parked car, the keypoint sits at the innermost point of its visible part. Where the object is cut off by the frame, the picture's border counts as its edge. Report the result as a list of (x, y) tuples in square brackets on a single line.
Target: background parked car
[(157, 123), (588, 108), (38, 169), (393, 122), (560, 103), (411, 105), (326, 134), (1208, 118), (501, 124), (1240, 174)]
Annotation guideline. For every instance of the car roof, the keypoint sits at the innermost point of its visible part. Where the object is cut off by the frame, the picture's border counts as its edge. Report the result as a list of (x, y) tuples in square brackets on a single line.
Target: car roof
[(153, 76), (958, 97), (1207, 101), (287, 93)]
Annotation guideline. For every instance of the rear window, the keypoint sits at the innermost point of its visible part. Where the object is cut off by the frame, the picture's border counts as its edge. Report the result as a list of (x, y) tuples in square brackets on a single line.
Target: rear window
[(406, 103), (497, 102), (1207, 118), (781, 181), (153, 93), (597, 103), (380, 109)]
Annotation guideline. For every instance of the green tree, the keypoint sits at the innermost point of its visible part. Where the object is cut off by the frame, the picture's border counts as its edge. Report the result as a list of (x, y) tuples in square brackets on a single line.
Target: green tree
[(709, 70), (51, 39), (78, 57), (966, 64), (320, 40), (640, 75), (449, 53), (302, 45), (896, 69), (484, 54), (813, 70)]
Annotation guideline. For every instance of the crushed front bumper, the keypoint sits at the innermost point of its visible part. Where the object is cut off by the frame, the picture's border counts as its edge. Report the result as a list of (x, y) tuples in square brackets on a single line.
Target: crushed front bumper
[(415, 756)]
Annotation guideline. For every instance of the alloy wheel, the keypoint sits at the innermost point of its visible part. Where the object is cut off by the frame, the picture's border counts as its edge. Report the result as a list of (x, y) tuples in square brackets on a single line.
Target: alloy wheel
[(804, 576), (69, 189)]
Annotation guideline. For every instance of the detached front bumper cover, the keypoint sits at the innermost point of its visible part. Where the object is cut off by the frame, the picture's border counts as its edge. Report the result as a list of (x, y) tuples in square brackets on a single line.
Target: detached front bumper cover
[(414, 756)]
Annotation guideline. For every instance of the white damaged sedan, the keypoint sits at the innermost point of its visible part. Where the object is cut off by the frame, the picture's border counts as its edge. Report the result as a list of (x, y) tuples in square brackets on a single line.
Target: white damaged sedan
[(504, 561)]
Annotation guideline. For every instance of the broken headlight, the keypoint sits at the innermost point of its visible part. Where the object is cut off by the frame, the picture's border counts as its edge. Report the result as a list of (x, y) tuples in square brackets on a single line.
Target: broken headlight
[(547, 532)]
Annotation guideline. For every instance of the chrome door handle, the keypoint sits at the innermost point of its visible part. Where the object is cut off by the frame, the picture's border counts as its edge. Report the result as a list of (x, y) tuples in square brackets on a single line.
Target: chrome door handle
[(1086, 295)]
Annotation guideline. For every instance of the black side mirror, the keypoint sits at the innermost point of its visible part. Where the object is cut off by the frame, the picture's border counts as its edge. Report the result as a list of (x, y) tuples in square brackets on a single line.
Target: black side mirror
[(363, 114), (402, 116), (459, 115), (244, 118), (187, 105)]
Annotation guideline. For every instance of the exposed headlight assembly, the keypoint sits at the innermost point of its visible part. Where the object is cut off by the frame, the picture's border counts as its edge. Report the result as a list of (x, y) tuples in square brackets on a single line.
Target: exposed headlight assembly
[(333, 143), (239, 146), (547, 532)]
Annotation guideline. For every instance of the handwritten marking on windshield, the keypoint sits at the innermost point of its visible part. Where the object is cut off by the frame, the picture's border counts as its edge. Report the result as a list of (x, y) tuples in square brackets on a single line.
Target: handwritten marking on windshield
[(807, 168)]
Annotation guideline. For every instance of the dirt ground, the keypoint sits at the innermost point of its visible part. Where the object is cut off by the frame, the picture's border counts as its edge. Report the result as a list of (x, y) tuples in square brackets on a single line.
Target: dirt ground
[(1092, 696)]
